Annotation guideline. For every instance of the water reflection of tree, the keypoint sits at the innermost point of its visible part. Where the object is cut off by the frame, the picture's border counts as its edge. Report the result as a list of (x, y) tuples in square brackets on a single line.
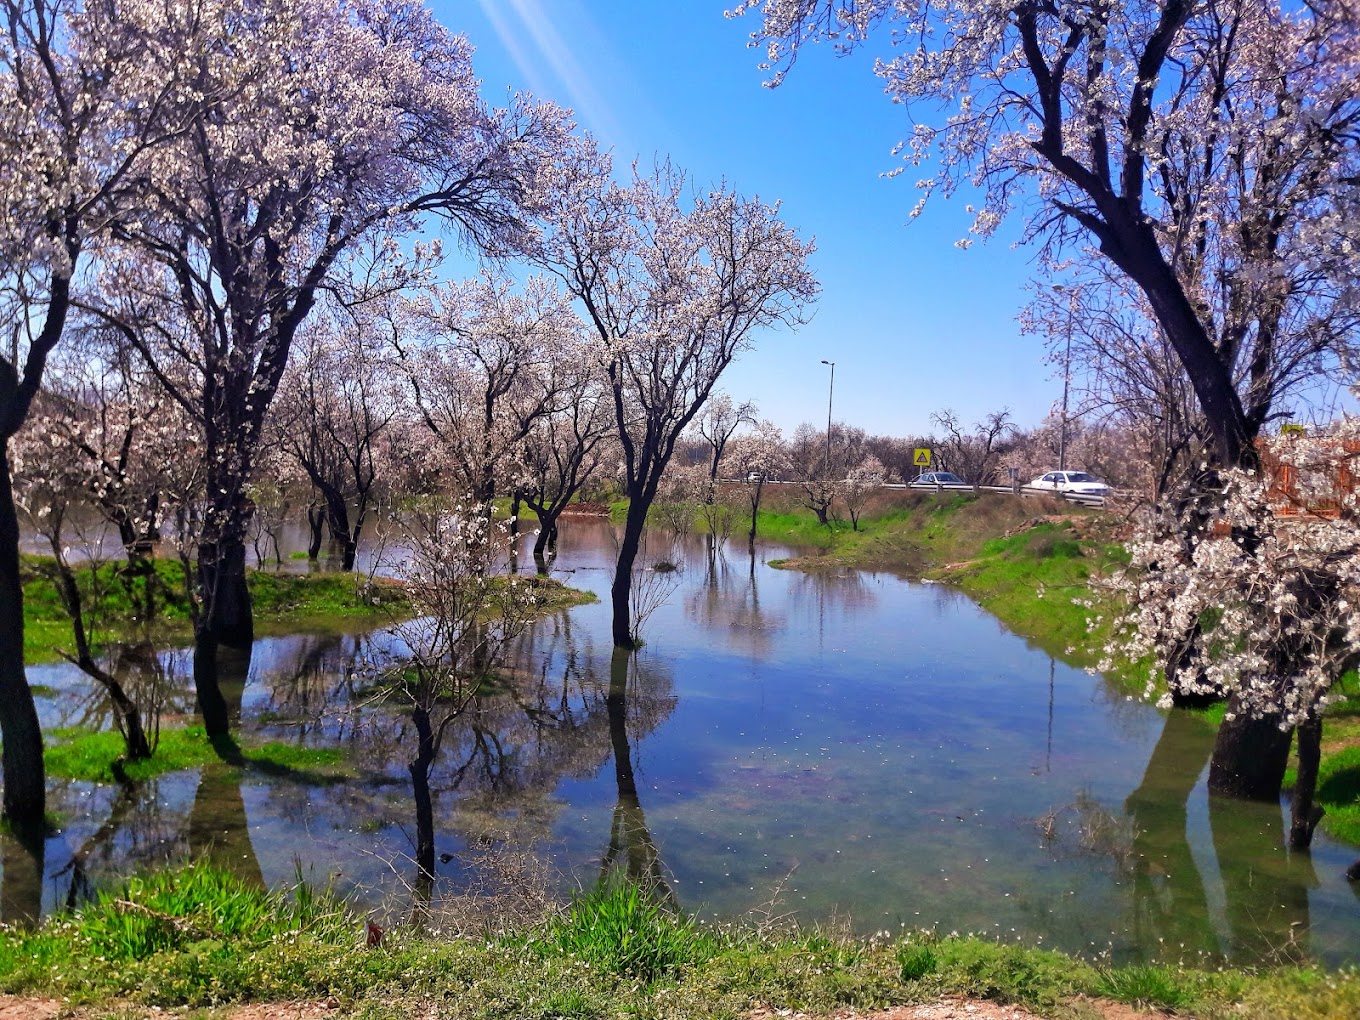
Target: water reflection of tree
[(156, 680), (632, 853), (1265, 887), (21, 875), (728, 603), (1169, 903), (310, 688), (831, 589), (145, 827), (219, 829)]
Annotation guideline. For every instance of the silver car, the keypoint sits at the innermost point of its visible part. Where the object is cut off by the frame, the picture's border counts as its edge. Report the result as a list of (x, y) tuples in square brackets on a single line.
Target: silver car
[(933, 479)]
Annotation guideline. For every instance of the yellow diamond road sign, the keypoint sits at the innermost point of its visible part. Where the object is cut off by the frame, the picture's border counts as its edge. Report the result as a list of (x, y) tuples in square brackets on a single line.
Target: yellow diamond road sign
[(922, 457)]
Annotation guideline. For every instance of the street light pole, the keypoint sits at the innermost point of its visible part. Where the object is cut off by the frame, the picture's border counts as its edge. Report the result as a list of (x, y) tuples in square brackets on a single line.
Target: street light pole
[(1067, 377), (830, 394)]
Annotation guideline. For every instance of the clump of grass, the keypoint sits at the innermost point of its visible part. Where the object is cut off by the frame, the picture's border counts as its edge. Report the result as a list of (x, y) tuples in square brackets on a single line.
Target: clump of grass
[(1156, 987), (1034, 978), (622, 929), (916, 961)]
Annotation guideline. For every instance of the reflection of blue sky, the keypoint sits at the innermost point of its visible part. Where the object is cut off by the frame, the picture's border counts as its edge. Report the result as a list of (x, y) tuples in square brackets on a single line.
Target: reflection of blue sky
[(882, 745)]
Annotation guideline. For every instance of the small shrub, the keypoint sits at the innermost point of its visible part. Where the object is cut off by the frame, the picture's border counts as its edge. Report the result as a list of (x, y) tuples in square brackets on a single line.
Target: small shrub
[(916, 962)]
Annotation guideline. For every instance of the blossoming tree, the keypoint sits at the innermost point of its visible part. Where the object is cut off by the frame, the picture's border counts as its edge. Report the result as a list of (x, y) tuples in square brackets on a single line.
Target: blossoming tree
[(1204, 148), (1258, 604), (326, 124), (673, 287), (80, 109)]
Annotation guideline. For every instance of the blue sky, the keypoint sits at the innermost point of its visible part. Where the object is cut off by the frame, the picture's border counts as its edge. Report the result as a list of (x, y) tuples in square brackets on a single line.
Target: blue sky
[(913, 323)]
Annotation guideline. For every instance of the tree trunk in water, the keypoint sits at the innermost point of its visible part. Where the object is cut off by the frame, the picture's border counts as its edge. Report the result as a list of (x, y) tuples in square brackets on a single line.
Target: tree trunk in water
[(621, 590), (419, 768), (1250, 755), (1304, 812), (129, 718), (349, 551), (316, 522), (25, 784), (226, 614), (337, 514), (755, 512)]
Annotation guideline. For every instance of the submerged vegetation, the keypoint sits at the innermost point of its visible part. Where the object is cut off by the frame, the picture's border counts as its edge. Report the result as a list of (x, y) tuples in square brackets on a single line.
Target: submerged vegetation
[(201, 937)]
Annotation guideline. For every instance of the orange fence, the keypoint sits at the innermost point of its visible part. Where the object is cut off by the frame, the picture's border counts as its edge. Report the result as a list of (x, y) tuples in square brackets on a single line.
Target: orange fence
[(1317, 489)]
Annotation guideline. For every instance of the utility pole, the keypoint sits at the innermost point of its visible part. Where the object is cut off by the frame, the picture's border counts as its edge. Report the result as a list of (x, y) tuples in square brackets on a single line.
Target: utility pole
[(1067, 377), (830, 394)]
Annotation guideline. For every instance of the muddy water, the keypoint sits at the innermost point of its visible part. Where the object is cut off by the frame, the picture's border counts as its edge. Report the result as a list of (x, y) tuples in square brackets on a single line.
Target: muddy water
[(839, 744)]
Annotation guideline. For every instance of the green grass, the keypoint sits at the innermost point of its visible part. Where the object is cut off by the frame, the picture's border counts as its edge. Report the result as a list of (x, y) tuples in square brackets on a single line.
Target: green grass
[(199, 937), (620, 929), (1147, 987), (97, 757), (1338, 791), (281, 602)]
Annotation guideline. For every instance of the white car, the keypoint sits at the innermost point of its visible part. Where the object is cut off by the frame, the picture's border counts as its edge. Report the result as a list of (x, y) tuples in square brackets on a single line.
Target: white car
[(1077, 482)]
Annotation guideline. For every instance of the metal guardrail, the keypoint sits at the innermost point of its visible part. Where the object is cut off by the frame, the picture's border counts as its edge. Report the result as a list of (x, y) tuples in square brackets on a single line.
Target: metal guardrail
[(1023, 490)]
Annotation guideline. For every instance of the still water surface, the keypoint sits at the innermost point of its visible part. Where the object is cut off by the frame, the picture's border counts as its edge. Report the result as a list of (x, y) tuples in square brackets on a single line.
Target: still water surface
[(839, 744)]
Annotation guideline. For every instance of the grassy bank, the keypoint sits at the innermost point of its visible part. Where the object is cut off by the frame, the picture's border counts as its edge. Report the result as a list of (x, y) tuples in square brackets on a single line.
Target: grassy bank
[(116, 604), (98, 757), (200, 937), (1025, 560)]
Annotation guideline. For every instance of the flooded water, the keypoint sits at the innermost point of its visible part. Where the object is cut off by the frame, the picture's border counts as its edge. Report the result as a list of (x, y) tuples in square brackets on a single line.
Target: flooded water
[(843, 744)]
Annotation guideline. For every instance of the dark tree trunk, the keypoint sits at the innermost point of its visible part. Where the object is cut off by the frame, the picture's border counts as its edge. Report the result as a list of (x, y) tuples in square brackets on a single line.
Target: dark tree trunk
[(25, 785), (226, 618), (1304, 812), (337, 515), (316, 523), (546, 540), (621, 590), (755, 512), (129, 718), (1250, 755), (419, 768)]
